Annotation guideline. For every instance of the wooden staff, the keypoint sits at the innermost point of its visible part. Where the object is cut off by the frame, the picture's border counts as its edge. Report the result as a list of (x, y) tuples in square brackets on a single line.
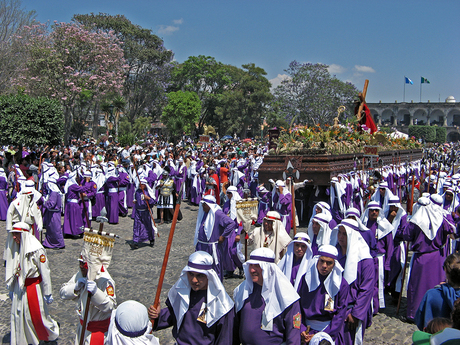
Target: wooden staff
[(156, 303), (293, 206), (85, 320), (406, 246), (143, 192)]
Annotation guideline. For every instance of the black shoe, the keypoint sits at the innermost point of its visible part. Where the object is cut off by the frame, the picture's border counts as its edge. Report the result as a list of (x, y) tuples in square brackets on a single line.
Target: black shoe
[(152, 243), (404, 318), (134, 245), (257, 225)]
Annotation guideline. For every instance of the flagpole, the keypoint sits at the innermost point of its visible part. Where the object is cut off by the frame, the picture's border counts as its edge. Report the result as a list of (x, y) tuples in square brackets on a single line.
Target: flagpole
[(420, 89), (404, 93)]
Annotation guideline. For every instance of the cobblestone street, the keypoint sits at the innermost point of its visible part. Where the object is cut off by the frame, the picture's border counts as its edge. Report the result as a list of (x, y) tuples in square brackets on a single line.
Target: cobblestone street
[(136, 275)]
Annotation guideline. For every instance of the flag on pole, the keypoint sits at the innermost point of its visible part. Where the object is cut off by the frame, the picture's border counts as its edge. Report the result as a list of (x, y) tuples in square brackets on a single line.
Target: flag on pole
[(425, 81), (408, 81)]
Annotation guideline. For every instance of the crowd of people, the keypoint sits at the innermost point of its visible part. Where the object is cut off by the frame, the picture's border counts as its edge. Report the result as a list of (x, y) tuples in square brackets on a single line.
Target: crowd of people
[(319, 286)]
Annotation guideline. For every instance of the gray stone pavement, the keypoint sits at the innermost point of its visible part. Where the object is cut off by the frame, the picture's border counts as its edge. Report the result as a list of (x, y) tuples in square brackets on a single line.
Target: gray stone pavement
[(136, 275)]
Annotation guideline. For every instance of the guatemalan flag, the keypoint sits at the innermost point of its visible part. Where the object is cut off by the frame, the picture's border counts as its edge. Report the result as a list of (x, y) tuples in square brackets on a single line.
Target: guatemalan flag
[(408, 81)]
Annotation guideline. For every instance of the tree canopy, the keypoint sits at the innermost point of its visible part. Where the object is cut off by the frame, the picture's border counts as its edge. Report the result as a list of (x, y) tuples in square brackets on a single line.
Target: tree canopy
[(311, 94), (30, 121), (182, 112), (148, 62), (70, 64)]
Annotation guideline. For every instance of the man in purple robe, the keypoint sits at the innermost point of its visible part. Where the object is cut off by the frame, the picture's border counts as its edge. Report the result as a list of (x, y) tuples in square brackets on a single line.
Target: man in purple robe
[(198, 307), (298, 255), (374, 219), (111, 185), (428, 232), (73, 213), (358, 265), (266, 304), (323, 295), (213, 226), (143, 228), (122, 189), (284, 204), (52, 217)]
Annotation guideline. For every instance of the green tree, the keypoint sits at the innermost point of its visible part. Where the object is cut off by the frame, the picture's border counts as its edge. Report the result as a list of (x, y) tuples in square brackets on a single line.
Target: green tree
[(28, 120), (149, 62), (244, 103), (207, 78), (69, 61), (312, 95), (181, 113)]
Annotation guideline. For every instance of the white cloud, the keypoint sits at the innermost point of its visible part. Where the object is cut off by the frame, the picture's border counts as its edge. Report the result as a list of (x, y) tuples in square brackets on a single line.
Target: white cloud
[(364, 69), (336, 69), (278, 79), (167, 29), (178, 21)]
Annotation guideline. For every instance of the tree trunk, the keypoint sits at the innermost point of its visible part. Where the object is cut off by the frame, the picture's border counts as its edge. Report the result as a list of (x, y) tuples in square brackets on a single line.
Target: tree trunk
[(96, 121), (67, 124)]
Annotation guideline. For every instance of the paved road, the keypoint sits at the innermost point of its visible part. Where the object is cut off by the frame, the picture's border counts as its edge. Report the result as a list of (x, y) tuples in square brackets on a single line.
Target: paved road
[(136, 275)]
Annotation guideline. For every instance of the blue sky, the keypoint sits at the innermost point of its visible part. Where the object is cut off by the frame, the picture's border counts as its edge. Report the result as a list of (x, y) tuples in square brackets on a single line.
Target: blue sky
[(382, 41)]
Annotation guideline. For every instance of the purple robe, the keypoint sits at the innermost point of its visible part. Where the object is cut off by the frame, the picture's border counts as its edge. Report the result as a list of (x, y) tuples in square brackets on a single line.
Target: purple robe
[(385, 247), (3, 199), (312, 306), (247, 330), (359, 297), (111, 202), (122, 188), (90, 192), (52, 222), (223, 226), (230, 259), (395, 262), (426, 264), (73, 213), (264, 205), (142, 227), (192, 331), (295, 268), (130, 195), (284, 209)]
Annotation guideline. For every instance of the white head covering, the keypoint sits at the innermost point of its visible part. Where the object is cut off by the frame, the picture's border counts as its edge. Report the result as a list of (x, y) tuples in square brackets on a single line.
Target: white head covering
[(357, 250), (285, 263), (337, 188), (15, 253), (334, 279), (427, 218), (277, 291), (388, 195), (324, 234), (52, 186), (394, 201), (218, 301), (71, 180), (318, 337), (235, 197), (384, 227), (281, 239), (352, 211), (210, 218), (29, 188), (130, 324)]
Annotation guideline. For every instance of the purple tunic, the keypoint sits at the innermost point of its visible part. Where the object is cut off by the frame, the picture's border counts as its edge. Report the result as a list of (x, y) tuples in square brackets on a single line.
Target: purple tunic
[(395, 262), (142, 227), (312, 306), (52, 222), (90, 192), (122, 188), (230, 258), (112, 199), (223, 226), (3, 198), (426, 264), (264, 205), (284, 209), (130, 195), (73, 213), (247, 329), (192, 331), (295, 268), (359, 297)]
